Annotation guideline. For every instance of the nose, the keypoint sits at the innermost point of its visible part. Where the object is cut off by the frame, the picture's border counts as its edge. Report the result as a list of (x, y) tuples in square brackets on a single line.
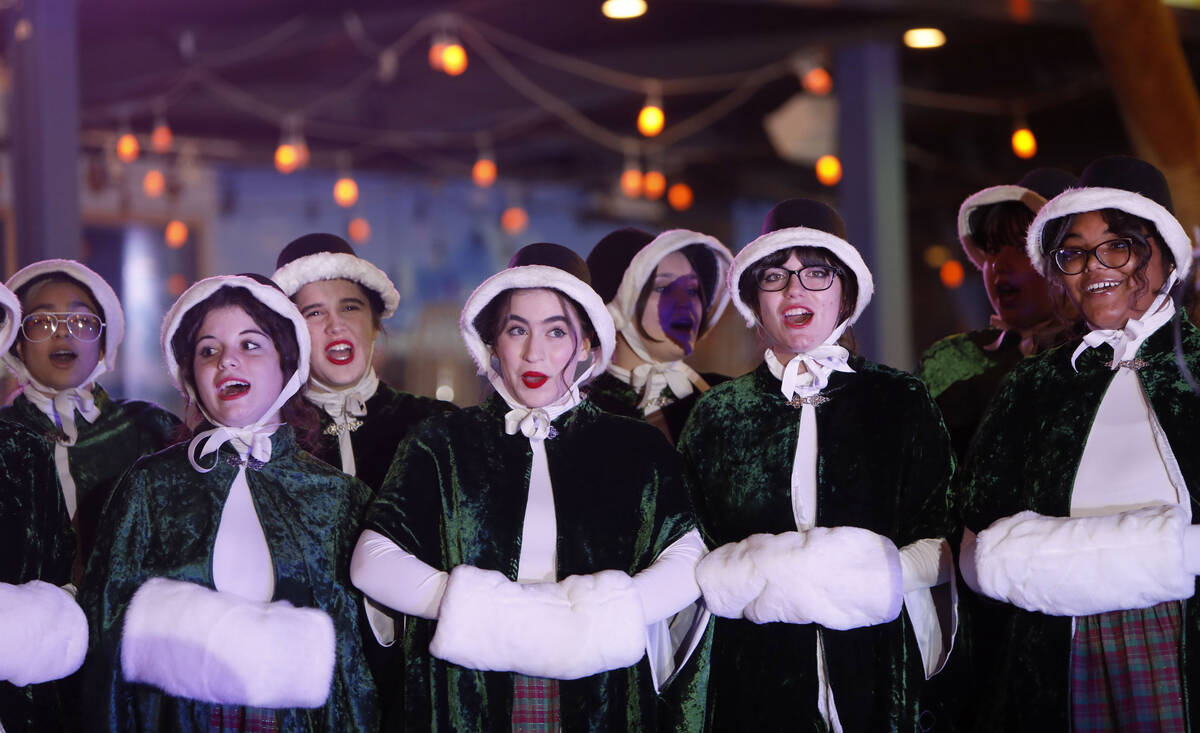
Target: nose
[(534, 349), (794, 288), (227, 361), (334, 322), (60, 328)]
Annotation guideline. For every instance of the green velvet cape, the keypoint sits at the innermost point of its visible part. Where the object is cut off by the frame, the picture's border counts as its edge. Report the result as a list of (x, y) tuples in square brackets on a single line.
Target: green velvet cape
[(884, 463), (390, 416), (36, 543), (162, 521), (457, 494), (125, 431), (1025, 456), (962, 376), (612, 395)]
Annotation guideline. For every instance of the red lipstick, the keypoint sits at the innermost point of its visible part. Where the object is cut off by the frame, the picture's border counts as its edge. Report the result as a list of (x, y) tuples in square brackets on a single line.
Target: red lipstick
[(533, 380), (232, 388), (340, 352)]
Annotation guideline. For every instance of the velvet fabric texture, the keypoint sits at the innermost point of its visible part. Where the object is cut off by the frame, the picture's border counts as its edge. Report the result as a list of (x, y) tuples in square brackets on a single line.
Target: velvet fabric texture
[(390, 416), (36, 543), (163, 521), (456, 494), (125, 431), (1025, 456), (962, 376), (612, 395), (884, 463)]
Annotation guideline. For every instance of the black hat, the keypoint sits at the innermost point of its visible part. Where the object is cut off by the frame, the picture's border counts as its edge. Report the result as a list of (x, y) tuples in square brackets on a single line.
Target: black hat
[(805, 213), (1117, 182), (1033, 190), (321, 256), (552, 255), (611, 256)]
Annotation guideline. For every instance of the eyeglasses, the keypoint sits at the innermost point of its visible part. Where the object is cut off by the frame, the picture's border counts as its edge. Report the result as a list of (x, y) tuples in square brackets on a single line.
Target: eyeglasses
[(813, 277), (42, 325), (1112, 254)]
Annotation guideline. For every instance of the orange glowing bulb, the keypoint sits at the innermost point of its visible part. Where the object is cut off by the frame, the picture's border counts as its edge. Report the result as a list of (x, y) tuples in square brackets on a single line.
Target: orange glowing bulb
[(951, 273), (654, 185), (818, 81), (359, 230), (154, 183), (176, 234), (128, 148), (1024, 144), (680, 197), (176, 284), (345, 192), (454, 59), (287, 158), (436, 49), (829, 170), (650, 120), (514, 220), (631, 182), (484, 172), (161, 138)]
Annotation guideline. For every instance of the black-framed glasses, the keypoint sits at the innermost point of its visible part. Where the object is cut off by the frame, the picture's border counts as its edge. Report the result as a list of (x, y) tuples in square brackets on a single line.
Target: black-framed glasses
[(44, 324), (1112, 254), (813, 277)]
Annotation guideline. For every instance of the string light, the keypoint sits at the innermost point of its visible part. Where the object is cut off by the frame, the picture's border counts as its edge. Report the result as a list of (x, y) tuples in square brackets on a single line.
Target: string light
[(447, 55), (924, 38), (345, 191), (514, 220), (951, 273), (161, 137), (154, 183), (176, 284), (654, 184), (650, 120), (1024, 144), (829, 170), (176, 234), (817, 81), (623, 9), (680, 196), (359, 230), (484, 170), (936, 255), (128, 148), (437, 46), (292, 152)]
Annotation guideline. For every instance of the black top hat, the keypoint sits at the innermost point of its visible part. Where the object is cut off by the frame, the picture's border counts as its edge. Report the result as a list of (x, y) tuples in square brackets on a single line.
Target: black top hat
[(804, 213), (311, 244), (1047, 182), (552, 255), (611, 256), (1129, 174)]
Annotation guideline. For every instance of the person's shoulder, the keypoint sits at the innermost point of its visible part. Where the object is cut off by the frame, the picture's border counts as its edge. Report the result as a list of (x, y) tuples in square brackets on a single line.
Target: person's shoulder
[(618, 435), (413, 404), (955, 358)]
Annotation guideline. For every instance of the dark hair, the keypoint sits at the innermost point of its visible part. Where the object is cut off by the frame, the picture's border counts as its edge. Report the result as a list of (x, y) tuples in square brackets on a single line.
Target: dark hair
[(999, 225), (748, 282), (490, 321), (58, 277), (1142, 232), (704, 262), (374, 300), (296, 412)]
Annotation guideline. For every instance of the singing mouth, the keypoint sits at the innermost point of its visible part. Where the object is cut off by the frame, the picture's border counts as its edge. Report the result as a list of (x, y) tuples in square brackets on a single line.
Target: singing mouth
[(63, 358), (797, 317), (533, 380), (340, 352), (232, 388), (1102, 286)]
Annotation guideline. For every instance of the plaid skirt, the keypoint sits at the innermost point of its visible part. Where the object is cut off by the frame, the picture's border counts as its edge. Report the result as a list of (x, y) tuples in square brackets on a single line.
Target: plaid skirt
[(236, 719), (1125, 670), (535, 704)]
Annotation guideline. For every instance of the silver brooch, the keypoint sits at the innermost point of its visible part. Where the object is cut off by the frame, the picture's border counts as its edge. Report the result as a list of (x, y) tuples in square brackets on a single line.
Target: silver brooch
[(1135, 363), (552, 434), (816, 399), (251, 462), (348, 427)]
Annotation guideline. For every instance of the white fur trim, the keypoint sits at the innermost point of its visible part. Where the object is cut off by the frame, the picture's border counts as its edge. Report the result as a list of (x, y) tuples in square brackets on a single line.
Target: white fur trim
[(265, 294), (334, 266), (583, 625), (838, 577), (643, 264), (1080, 200), (194, 642), (43, 633), (106, 298), (12, 319), (994, 195), (536, 276), (800, 237), (1075, 566)]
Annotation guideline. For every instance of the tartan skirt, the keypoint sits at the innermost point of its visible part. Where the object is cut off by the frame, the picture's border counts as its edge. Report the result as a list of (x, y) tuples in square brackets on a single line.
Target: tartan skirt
[(237, 719), (535, 704)]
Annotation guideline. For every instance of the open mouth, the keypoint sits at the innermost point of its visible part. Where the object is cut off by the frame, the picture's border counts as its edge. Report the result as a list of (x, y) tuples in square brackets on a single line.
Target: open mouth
[(63, 358), (340, 352), (682, 325), (1006, 288), (1101, 287), (232, 388), (797, 317), (533, 380)]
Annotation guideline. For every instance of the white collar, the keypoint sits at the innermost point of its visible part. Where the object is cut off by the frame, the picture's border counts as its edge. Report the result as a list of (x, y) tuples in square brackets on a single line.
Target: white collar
[(1126, 341)]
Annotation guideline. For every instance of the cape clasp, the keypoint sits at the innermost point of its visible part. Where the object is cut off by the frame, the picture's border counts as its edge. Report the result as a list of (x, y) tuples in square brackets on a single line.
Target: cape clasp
[(1135, 363), (349, 426), (251, 462), (814, 399)]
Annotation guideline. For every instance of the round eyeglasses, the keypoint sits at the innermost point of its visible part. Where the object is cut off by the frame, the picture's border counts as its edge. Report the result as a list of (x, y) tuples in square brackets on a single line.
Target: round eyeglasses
[(813, 277), (1112, 254), (42, 325)]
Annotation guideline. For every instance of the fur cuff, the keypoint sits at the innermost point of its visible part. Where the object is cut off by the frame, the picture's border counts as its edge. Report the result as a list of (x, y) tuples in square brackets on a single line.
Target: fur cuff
[(580, 626), (838, 577), (43, 633), (202, 644), (1066, 566)]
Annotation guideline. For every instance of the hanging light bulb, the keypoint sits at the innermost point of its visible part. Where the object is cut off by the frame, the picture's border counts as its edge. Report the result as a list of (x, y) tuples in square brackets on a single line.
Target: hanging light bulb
[(951, 273), (829, 170), (454, 59), (623, 9), (161, 137), (359, 230), (650, 120), (924, 38), (128, 148), (654, 184), (292, 151), (176, 234), (437, 47), (345, 191), (1024, 144), (631, 181), (154, 183), (484, 172), (817, 81), (514, 220), (680, 197)]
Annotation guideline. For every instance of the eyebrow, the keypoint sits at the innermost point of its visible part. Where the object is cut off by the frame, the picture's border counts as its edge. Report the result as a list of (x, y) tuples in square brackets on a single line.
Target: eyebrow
[(72, 304), (243, 333), (551, 319)]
